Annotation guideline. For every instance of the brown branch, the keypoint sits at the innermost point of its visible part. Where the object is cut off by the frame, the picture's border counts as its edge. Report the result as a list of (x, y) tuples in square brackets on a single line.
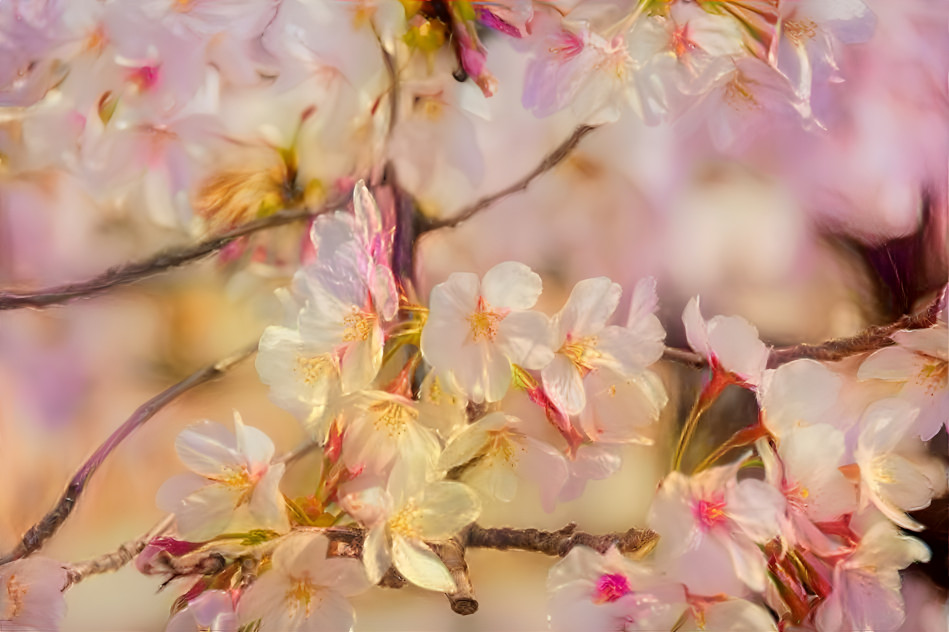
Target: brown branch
[(870, 339), (550, 161), (37, 535), (559, 542), (163, 261), (452, 553)]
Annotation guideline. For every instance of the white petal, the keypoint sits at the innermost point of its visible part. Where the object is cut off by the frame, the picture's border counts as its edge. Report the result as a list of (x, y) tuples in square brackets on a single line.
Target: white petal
[(891, 363), (420, 565), (564, 385), (734, 341), (589, 307), (254, 444), (755, 506), (799, 392), (266, 504), (696, 330), (207, 447), (511, 284), (525, 339), (375, 553), (206, 513), (445, 508)]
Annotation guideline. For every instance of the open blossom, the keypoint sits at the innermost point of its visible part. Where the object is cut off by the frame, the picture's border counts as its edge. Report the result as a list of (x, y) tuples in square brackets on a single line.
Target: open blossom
[(889, 477), (920, 360), (866, 584), (605, 592), (495, 451), (477, 329), (729, 342), (710, 526), (403, 518), (798, 394), (729, 615), (304, 590), (31, 596), (586, 344), (234, 486), (212, 610), (807, 473), (301, 380), (384, 427)]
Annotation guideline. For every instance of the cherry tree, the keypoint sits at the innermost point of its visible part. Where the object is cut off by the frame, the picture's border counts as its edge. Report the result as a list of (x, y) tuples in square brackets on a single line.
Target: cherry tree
[(316, 150)]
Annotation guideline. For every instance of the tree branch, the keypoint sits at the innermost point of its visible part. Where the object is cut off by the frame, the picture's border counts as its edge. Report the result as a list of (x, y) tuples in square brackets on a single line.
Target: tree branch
[(163, 261), (870, 339), (37, 535), (550, 161), (115, 560), (559, 542)]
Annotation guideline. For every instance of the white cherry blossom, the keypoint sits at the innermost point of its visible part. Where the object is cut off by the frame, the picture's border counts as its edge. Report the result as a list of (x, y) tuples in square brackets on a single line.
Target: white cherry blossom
[(605, 592), (866, 584), (31, 595), (729, 342), (920, 361), (477, 329), (403, 518), (304, 590), (796, 394), (890, 477), (710, 526), (495, 451), (586, 344), (234, 486), (302, 381)]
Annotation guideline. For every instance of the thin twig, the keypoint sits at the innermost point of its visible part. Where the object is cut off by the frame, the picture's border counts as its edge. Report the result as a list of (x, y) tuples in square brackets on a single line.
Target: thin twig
[(37, 535), (156, 264), (550, 161), (113, 561)]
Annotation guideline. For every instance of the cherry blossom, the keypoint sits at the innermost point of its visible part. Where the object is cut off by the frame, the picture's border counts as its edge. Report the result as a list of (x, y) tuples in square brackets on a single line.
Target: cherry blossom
[(799, 394), (729, 342), (807, 473), (302, 381), (890, 477), (604, 592), (586, 344), (920, 361), (729, 615), (477, 329), (710, 526), (31, 595), (403, 518), (384, 427), (305, 590), (495, 451), (866, 584), (212, 610), (234, 486)]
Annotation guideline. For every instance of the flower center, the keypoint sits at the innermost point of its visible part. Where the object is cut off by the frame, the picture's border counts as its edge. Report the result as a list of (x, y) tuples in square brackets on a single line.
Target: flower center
[(611, 587), (392, 417), (934, 375), (709, 513), (404, 521), (484, 322), (739, 95), (800, 30), (16, 591), (313, 370), (581, 352), (301, 595), (358, 325)]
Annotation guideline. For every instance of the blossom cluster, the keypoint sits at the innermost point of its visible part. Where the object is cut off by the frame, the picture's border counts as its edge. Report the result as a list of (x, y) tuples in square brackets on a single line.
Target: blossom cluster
[(408, 403)]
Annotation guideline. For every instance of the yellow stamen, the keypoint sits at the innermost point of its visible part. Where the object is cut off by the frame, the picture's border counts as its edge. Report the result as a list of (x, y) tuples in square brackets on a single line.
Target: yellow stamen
[(358, 325)]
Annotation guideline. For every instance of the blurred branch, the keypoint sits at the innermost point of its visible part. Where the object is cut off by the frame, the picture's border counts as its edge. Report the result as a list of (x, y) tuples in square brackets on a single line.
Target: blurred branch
[(156, 264), (870, 339), (550, 161), (37, 535)]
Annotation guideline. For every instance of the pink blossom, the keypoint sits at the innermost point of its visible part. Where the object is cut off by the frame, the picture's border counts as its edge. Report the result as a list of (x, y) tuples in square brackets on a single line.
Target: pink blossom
[(31, 595)]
